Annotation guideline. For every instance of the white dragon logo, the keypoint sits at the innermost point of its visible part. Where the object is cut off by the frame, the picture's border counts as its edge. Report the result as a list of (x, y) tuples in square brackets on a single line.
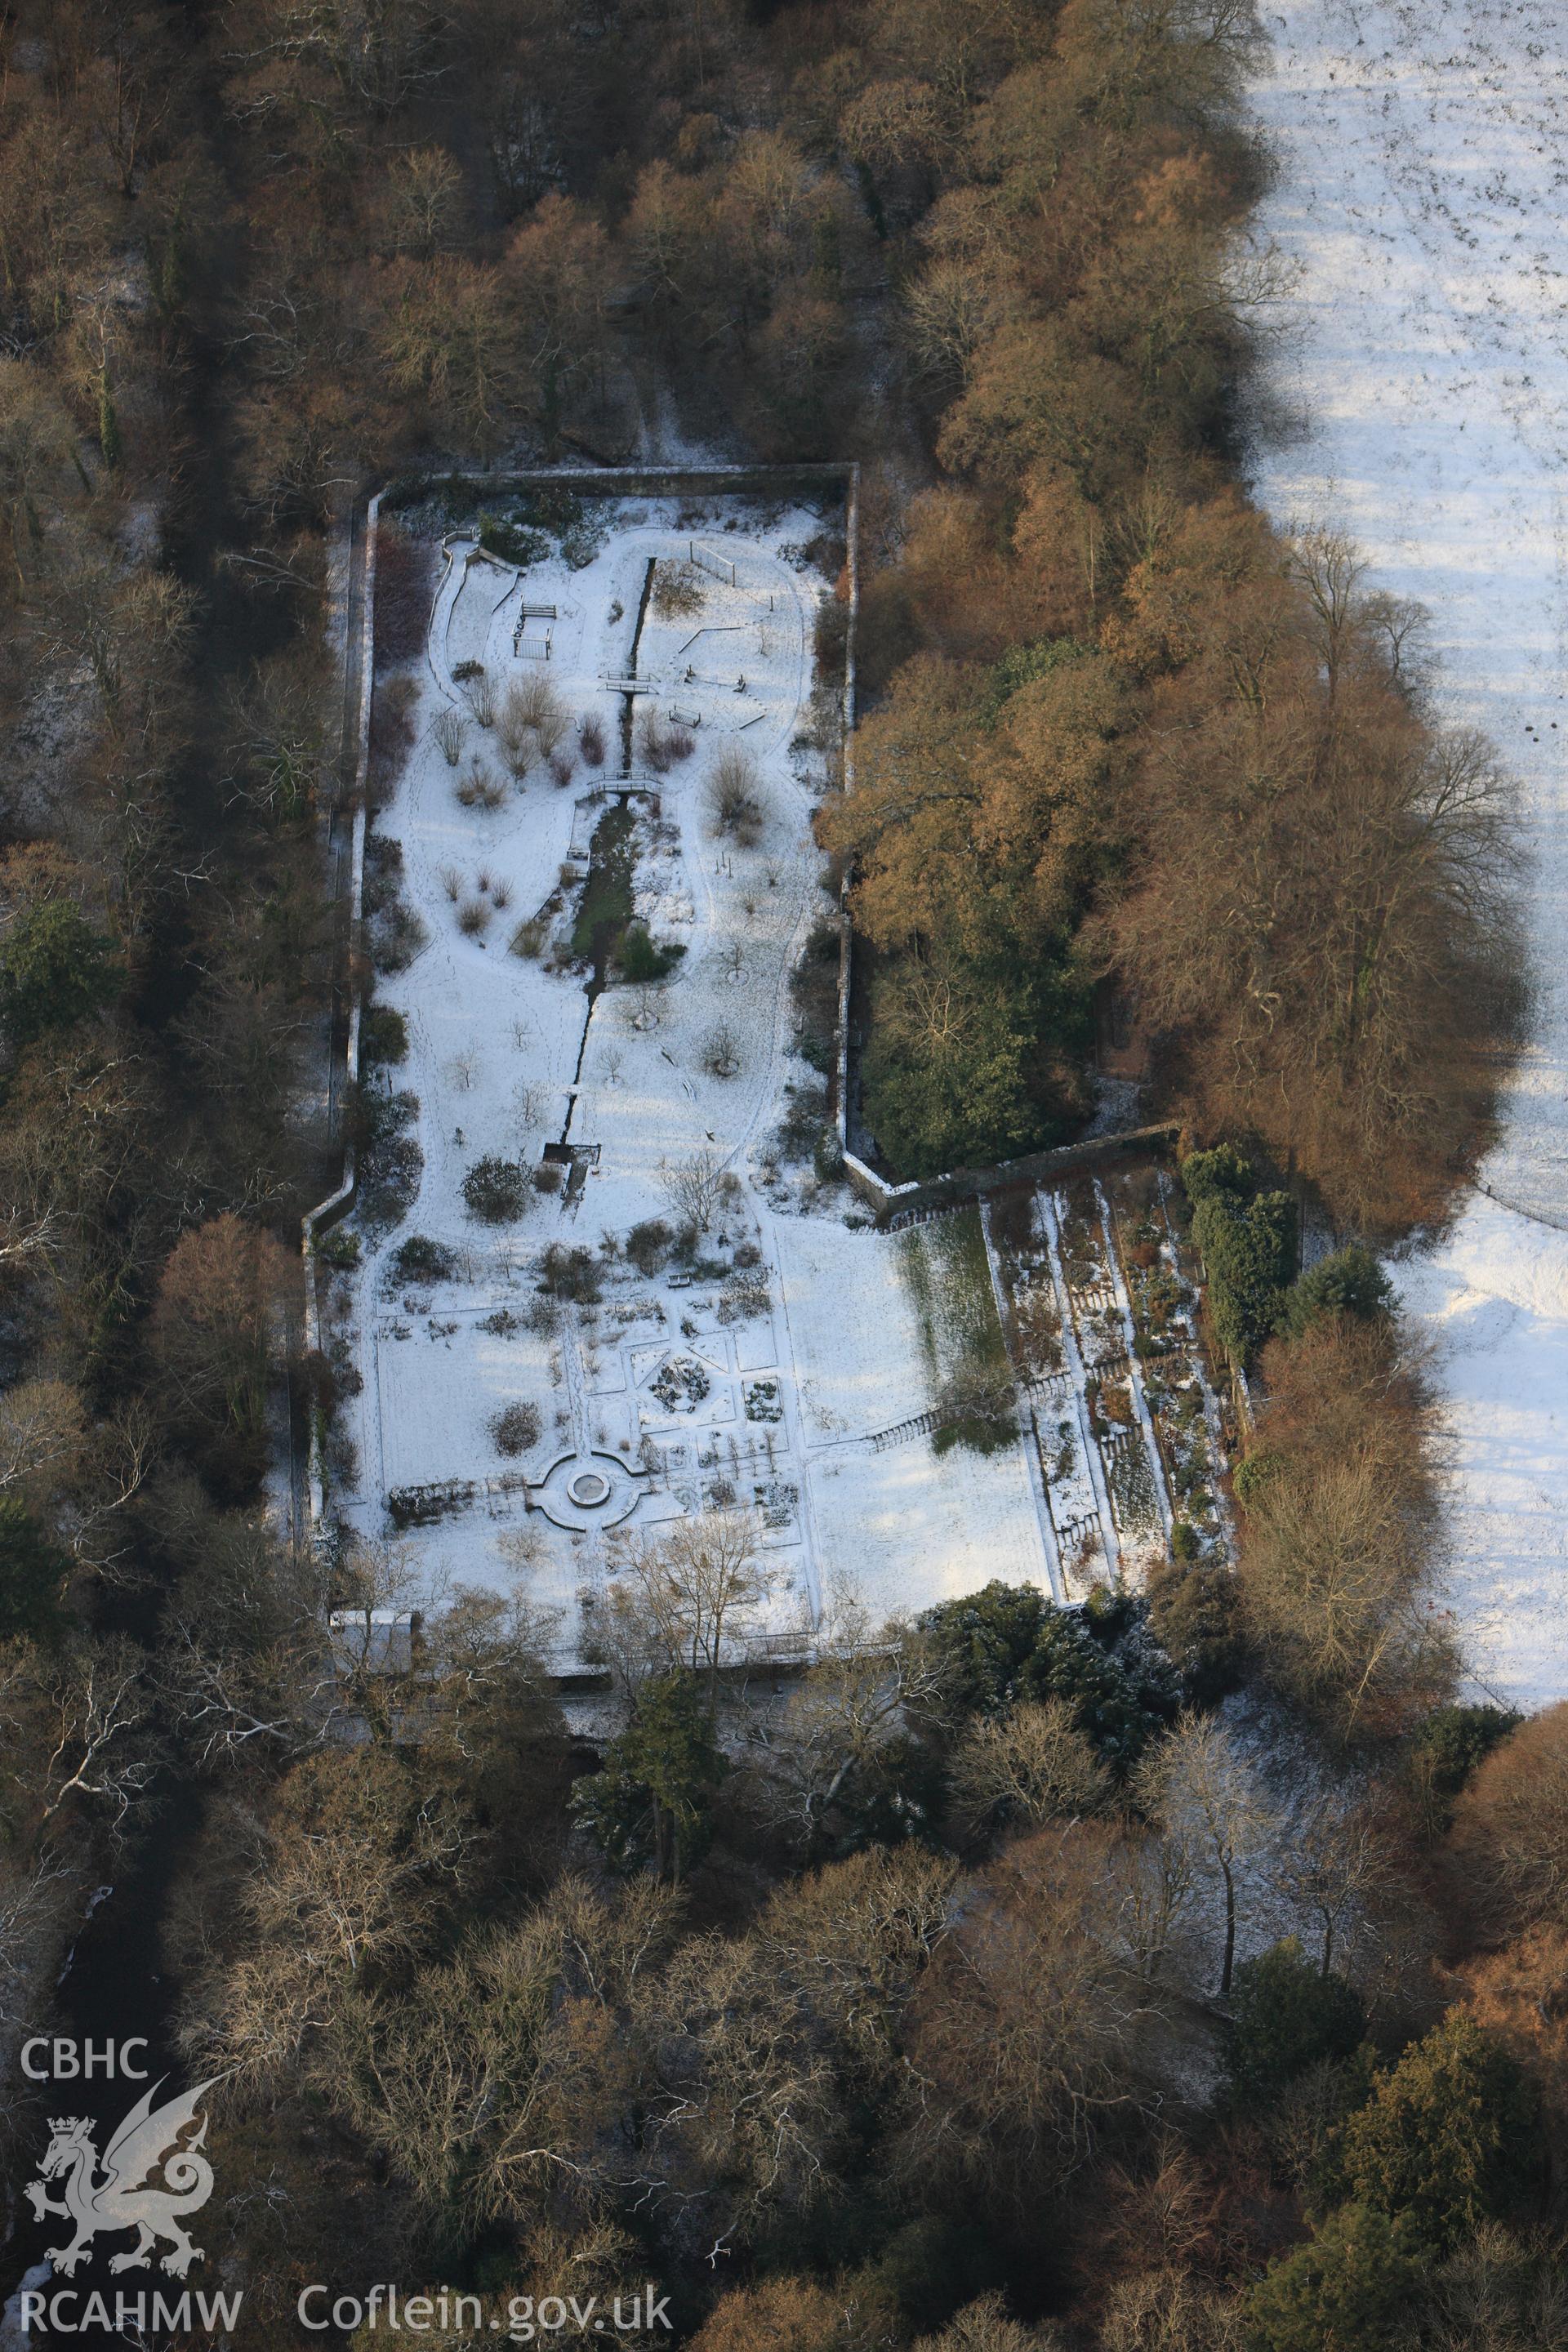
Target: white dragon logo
[(122, 2199)]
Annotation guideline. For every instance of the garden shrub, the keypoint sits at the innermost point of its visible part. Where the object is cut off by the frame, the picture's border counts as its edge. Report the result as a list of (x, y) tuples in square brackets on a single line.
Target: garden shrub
[(747, 1291), (1223, 1173), (570, 1274), (640, 961), (383, 1036), (1195, 1614), (390, 1162), (648, 1244), (1350, 1282), (419, 1259), (827, 1158), (512, 542), (1253, 1473), (679, 589), (516, 1429), (496, 1191), (737, 805), (1248, 1240), (1287, 2015)]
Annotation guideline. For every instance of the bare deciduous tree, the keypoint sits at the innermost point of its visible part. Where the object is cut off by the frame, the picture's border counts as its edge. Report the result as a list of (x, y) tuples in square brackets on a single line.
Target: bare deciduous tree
[(720, 1052), (347, 1867), (1025, 1766), (695, 1187), (43, 1437), (855, 1937), (500, 2088), (222, 1311), (425, 191), (1329, 890), (1336, 1856), (1511, 1829), (79, 1722), (1204, 1793), (745, 2113), (687, 1598), (1342, 1537), (37, 1895), (1026, 2032), (1151, 1879), (838, 1727), (277, 735)]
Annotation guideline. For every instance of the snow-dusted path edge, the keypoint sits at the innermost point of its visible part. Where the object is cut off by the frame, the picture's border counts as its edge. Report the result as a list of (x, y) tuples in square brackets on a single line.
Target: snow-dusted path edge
[(1423, 189)]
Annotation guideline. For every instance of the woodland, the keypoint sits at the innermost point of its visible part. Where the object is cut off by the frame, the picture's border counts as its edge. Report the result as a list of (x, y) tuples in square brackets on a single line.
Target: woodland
[(1189, 1971)]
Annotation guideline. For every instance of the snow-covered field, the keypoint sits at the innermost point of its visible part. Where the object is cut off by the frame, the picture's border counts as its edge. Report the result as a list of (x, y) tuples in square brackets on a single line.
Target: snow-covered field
[(1423, 189)]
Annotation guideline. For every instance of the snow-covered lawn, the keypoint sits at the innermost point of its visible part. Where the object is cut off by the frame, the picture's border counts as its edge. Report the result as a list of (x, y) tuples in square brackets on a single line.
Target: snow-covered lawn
[(1424, 191)]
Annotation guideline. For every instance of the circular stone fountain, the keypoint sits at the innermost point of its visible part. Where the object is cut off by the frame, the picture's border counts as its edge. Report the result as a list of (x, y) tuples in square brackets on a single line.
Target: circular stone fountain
[(582, 1491)]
